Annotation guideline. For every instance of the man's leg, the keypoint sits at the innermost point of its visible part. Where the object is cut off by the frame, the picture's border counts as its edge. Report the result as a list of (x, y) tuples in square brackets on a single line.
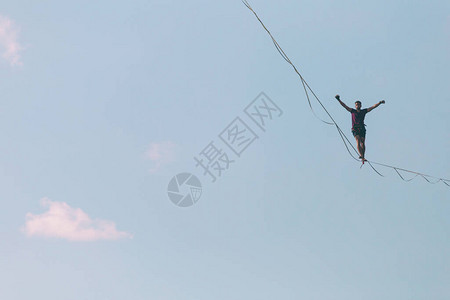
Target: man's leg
[(363, 146), (359, 146)]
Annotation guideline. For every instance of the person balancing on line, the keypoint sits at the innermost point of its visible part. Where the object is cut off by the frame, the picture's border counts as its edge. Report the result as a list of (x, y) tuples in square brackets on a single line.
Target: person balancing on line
[(358, 129)]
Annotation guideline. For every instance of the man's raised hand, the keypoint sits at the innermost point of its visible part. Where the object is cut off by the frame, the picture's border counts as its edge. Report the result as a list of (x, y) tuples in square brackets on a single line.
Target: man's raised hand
[(337, 97)]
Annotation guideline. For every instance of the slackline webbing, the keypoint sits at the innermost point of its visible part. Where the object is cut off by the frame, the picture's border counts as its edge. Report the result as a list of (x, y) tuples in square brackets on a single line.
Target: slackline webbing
[(345, 140)]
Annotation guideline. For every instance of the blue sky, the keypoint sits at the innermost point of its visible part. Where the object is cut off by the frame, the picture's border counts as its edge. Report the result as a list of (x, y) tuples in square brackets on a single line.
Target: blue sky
[(103, 103)]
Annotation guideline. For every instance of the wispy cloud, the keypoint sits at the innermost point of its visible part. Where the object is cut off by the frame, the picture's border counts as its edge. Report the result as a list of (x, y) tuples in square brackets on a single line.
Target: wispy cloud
[(160, 154), (9, 45), (73, 224)]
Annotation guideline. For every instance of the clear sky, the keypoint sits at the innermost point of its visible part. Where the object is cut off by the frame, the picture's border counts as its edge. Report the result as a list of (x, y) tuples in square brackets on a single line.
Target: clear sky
[(103, 102)]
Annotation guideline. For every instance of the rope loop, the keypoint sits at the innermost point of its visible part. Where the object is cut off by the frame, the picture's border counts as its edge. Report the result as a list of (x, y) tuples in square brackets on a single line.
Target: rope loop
[(344, 138)]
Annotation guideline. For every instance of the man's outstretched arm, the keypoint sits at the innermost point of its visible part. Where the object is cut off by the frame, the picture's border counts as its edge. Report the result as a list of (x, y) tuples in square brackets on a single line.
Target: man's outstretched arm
[(376, 105), (343, 104)]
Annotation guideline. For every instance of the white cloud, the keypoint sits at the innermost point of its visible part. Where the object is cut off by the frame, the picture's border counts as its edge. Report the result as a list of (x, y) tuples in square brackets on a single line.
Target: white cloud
[(9, 45), (73, 224), (161, 153)]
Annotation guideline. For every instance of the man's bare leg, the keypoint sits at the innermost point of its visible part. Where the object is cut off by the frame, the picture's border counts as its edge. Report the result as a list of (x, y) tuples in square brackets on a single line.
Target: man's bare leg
[(359, 146), (363, 147)]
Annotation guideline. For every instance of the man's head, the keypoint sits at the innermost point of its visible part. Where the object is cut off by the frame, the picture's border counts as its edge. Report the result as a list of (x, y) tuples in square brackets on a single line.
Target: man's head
[(358, 105)]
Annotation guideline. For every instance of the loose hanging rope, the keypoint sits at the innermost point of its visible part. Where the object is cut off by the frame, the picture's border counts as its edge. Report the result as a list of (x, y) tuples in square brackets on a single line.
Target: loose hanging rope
[(344, 138)]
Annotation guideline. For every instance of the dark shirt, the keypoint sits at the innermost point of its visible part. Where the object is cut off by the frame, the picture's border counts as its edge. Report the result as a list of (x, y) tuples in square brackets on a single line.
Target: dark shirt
[(358, 117)]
